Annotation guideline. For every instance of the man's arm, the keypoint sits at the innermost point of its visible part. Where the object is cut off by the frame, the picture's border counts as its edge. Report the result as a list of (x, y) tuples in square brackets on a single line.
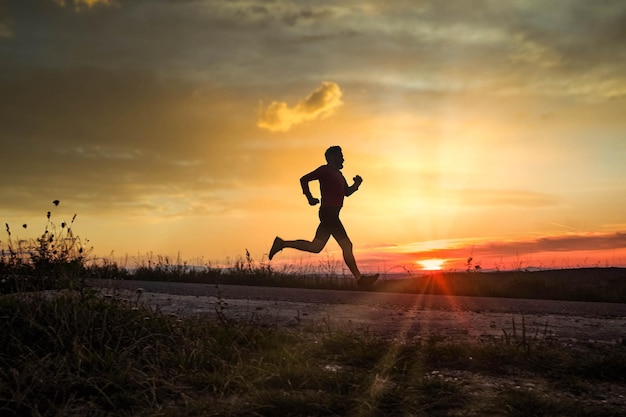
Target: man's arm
[(352, 189), (304, 183)]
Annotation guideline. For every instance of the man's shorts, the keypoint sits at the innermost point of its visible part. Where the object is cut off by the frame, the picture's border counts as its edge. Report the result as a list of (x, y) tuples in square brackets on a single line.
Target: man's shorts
[(330, 223)]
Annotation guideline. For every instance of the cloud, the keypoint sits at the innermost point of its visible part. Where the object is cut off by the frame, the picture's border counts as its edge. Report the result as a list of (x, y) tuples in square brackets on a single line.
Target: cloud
[(279, 117), (5, 31), (6, 22), (448, 47), (306, 14), (79, 4), (114, 140), (551, 244)]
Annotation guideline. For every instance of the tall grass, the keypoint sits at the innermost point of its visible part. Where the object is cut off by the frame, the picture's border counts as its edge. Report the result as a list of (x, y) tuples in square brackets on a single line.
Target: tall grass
[(581, 284), (68, 353), (59, 258), (54, 259), (72, 351)]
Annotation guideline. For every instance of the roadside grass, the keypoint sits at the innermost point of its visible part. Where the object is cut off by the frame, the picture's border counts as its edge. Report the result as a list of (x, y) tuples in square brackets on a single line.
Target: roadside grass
[(68, 350), (596, 284), (579, 284), (73, 353), (56, 258), (59, 258)]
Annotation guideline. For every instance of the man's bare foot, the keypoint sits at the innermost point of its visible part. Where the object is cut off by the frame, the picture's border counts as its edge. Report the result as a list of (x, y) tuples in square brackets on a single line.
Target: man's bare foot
[(366, 281), (277, 246)]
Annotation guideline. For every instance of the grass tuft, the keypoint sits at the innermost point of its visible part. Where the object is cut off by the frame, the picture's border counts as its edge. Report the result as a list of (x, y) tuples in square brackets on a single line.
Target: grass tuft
[(55, 259)]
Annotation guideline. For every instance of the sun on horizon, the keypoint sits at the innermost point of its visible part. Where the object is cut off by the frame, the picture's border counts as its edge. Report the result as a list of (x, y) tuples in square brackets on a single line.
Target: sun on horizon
[(432, 264)]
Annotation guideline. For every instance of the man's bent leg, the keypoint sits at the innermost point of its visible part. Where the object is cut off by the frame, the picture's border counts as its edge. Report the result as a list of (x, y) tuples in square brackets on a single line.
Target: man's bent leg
[(314, 246), (322, 234)]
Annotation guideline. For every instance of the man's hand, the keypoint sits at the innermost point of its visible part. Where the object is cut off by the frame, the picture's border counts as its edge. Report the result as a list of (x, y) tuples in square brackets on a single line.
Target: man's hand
[(352, 189), (312, 200)]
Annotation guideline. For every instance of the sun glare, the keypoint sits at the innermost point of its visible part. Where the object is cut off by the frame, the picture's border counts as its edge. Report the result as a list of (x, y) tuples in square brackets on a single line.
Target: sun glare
[(432, 264)]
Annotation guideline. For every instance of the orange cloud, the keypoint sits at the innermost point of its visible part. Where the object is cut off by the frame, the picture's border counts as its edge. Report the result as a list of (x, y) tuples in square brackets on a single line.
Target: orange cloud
[(550, 247), (279, 117)]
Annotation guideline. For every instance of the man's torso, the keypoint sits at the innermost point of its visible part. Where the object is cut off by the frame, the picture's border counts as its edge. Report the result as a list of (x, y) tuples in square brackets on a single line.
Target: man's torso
[(332, 186)]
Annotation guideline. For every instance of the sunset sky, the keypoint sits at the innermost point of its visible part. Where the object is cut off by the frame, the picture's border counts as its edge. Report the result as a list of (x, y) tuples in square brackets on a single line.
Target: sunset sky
[(487, 129)]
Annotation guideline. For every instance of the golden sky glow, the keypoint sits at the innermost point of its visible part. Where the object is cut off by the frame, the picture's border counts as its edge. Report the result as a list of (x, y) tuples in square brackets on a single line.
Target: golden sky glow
[(491, 130)]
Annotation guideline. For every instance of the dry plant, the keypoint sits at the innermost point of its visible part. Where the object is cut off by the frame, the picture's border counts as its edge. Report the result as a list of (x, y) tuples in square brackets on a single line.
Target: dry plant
[(55, 258)]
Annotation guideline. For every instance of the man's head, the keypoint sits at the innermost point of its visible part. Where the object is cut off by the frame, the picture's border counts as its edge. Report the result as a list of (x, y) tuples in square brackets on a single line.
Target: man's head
[(334, 156)]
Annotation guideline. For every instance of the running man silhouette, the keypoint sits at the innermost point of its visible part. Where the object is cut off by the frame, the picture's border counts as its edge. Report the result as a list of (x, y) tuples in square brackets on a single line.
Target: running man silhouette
[(333, 187)]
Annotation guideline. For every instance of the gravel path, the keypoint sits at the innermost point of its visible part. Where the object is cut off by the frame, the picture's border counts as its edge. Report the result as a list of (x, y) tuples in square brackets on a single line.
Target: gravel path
[(398, 316)]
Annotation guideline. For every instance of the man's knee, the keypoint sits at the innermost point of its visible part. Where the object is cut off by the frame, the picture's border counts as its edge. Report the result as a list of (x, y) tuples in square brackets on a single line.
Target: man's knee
[(317, 245)]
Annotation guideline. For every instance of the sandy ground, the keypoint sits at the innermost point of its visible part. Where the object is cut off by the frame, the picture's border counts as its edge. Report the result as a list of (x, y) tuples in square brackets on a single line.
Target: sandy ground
[(403, 323)]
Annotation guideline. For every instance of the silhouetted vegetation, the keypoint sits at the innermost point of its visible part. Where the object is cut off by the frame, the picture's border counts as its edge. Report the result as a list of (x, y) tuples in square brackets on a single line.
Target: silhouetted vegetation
[(54, 259), (67, 349), (582, 284), (58, 258), (72, 353)]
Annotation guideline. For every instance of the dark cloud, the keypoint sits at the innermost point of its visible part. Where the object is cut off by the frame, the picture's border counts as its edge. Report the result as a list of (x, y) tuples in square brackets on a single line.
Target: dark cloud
[(6, 22), (583, 33), (306, 14), (86, 107), (555, 48), (79, 5), (115, 137), (572, 47)]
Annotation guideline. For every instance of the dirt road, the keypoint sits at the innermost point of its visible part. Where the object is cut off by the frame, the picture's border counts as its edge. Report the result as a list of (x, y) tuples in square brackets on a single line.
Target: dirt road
[(397, 316)]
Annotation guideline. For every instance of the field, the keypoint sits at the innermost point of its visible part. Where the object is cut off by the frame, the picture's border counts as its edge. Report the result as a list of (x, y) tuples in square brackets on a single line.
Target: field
[(80, 354), (68, 350), (581, 284)]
